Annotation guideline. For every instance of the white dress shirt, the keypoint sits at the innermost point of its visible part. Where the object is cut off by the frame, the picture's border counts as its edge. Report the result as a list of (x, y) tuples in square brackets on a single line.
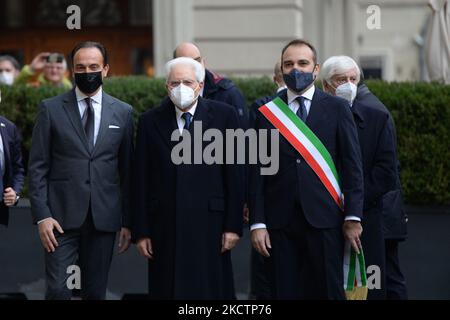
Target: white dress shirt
[(294, 105), (281, 88), (180, 120), (96, 102)]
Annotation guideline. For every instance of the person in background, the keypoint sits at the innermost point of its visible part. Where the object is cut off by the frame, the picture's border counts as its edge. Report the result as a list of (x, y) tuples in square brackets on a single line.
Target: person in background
[(340, 76), (394, 216), (9, 70), (46, 69), (216, 86), (278, 77), (11, 167)]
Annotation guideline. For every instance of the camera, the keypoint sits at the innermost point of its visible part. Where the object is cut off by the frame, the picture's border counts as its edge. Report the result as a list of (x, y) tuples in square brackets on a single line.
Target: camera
[(55, 57)]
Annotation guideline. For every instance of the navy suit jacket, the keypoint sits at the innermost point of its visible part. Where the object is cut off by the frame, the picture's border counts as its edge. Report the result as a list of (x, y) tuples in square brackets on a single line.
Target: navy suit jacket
[(222, 89), (395, 217), (274, 199), (378, 152), (14, 170)]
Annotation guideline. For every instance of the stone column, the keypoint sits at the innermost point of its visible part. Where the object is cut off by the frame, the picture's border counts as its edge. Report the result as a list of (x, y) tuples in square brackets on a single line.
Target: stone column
[(172, 24)]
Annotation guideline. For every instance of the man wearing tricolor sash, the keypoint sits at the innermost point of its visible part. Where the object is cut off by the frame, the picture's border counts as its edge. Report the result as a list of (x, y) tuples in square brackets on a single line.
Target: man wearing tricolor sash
[(298, 216)]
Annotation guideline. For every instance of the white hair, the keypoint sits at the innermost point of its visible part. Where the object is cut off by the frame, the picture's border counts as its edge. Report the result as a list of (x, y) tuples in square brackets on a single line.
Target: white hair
[(338, 65), (195, 65)]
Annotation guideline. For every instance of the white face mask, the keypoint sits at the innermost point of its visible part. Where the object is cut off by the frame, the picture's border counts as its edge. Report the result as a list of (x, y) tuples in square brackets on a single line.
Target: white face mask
[(182, 96), (6, 78), (347, 91)]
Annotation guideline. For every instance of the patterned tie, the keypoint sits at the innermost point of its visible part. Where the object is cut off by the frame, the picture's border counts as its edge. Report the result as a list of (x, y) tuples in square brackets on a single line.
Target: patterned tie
[(88, 122), (187, 120), (301, 112)]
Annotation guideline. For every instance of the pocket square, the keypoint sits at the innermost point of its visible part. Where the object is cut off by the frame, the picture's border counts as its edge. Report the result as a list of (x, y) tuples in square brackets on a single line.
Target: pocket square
[(114, 127), (2, 124)]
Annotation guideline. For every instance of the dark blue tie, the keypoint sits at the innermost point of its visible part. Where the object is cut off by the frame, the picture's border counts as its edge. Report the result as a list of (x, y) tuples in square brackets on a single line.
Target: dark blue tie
[(301, 112), (187, 120)]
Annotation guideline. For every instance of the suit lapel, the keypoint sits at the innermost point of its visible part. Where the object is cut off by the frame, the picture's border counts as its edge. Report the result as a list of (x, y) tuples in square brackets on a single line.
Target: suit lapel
[(203, 114), (283, 95), (358, 115), (166, 121), (318, 114), (105, 119), (71, 108)]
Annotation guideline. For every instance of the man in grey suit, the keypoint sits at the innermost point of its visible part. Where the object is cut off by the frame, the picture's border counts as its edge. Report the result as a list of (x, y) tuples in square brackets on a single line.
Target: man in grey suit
[(79, 172)]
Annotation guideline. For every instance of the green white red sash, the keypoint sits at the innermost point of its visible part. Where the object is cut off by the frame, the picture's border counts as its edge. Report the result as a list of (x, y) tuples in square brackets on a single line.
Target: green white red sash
[(355, 279), (306, 143)]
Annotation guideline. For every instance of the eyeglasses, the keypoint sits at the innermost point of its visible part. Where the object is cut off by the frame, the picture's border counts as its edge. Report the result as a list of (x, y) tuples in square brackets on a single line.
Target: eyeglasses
[(176, 83)]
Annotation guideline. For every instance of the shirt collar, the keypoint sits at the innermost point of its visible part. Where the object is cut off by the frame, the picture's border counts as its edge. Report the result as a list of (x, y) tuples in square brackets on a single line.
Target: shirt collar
[(97, 97), (179, 113), (281, 89), (308, 94)]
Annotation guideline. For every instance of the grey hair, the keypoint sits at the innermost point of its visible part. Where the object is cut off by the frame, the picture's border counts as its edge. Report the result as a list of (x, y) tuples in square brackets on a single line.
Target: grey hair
[(338, 65), (195, 65), (11, 60)]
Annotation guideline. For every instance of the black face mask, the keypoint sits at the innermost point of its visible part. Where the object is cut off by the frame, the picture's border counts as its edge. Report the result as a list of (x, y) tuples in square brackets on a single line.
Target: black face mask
[(88, 82)]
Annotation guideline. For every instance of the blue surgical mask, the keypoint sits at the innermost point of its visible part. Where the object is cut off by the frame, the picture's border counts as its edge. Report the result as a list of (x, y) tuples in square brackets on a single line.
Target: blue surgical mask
[(298, 81)]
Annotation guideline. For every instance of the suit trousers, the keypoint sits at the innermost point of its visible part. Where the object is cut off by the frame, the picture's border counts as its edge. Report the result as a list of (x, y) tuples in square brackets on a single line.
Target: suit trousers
[(88, 247), (374, 252), (395, 280), (259, 277), (307, 263)]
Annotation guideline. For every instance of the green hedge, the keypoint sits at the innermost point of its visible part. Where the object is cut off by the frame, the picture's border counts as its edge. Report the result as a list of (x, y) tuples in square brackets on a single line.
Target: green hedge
[(422, 116), (421, 112)]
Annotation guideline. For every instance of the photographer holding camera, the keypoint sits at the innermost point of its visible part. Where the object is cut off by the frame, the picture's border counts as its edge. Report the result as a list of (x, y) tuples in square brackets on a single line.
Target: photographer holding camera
[(45, 69)]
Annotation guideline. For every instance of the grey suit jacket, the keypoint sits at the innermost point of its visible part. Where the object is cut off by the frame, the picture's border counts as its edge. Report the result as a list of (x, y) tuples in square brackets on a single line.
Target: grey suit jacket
[(64, 177)]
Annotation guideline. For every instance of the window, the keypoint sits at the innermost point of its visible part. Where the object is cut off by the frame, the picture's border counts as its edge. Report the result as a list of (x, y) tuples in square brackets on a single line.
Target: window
[(372, 67)]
